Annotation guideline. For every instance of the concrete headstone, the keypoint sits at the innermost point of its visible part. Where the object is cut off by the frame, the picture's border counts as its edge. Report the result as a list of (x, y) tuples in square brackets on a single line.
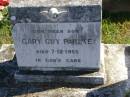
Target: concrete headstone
[(63, 37)]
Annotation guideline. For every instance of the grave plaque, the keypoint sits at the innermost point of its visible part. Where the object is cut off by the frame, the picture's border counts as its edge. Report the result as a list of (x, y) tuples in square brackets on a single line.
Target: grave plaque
[(57, 37), (62, 37), (58, 45)]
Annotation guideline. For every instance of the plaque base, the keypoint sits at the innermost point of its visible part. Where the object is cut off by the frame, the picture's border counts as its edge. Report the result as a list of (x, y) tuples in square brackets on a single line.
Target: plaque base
[(82, 78)]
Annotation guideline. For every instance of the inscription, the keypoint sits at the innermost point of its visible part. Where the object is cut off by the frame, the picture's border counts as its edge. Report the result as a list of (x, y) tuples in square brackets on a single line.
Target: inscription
[(47, 31), (57, 41), (79, 41), (31, 41), (73, 60), (53, 60), (58, 51)]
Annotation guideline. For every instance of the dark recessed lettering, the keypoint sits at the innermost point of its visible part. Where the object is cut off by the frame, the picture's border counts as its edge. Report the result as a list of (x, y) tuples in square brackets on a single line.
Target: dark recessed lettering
[(31, 41)]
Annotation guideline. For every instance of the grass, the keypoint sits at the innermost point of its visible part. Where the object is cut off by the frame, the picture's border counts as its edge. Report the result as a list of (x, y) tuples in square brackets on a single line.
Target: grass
[(115, 28), (5, 29)]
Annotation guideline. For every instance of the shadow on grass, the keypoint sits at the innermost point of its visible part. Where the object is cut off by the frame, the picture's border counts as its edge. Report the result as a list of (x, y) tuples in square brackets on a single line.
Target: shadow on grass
[(117, 17)]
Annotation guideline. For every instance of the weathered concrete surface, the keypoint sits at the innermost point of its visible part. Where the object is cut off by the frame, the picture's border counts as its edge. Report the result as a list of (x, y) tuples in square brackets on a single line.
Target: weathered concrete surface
[(116, 59), (31, 3), (115, 63), (6, 52)]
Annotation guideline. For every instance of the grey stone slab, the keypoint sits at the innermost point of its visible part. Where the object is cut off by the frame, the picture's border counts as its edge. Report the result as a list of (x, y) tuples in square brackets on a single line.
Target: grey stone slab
[(58, 45), (68, 79)]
